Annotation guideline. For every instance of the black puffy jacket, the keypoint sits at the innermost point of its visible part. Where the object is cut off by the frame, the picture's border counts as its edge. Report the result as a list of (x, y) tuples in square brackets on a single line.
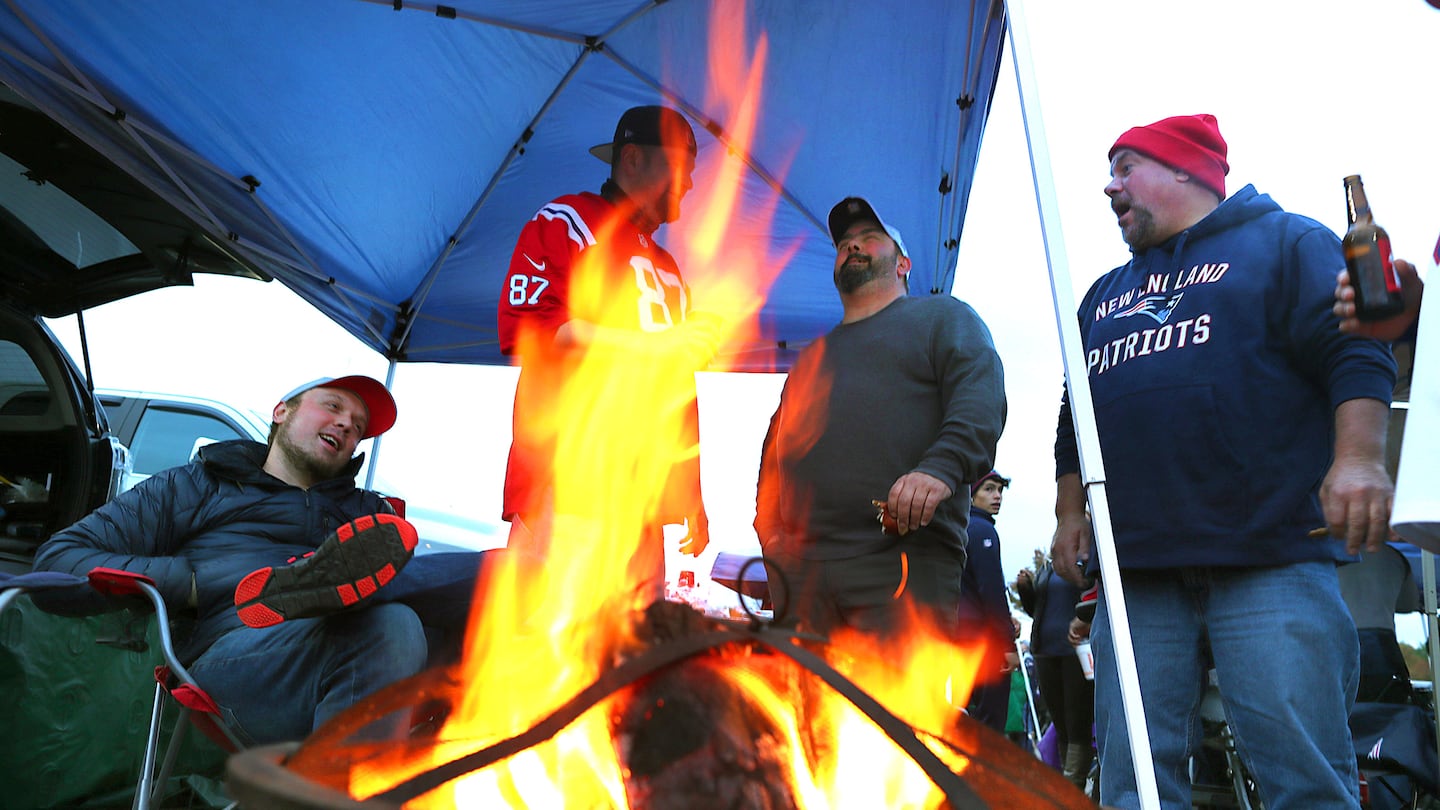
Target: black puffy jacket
[(219, 518)]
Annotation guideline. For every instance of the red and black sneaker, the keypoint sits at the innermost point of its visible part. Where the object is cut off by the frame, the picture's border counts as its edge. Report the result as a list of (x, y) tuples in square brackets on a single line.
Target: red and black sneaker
[(354, 562)]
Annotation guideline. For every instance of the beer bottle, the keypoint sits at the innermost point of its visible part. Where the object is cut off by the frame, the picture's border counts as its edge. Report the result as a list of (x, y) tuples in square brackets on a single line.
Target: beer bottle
[(1368, 260)]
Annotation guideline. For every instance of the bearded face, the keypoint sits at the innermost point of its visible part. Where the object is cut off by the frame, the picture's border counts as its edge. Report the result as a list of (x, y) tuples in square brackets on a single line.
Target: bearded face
[(856, 268), (303, 456), (1138, 228), (316, 437), (1150, 199), (660, 180)]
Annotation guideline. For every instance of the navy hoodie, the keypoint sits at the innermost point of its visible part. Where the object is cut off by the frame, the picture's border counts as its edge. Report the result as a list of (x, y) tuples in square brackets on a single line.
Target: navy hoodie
[(1216, 365), (984, 606)]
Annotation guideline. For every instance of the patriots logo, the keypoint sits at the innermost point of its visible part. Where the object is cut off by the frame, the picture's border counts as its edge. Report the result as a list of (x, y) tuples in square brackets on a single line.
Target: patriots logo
[(1158, 307)]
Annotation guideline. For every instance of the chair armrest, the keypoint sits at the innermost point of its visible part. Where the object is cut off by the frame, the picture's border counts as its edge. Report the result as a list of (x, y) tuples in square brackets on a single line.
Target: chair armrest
[(116, 582)]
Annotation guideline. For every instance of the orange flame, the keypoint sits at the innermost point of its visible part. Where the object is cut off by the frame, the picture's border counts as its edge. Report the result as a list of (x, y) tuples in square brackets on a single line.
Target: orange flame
[(923, 689), (540, 635)]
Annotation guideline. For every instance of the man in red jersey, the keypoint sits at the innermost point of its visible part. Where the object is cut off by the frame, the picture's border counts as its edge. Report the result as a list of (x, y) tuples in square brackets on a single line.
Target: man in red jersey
[(587, 276)]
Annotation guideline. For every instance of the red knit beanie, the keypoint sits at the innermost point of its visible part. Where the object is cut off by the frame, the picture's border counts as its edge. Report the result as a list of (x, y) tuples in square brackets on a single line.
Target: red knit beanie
[(1190, 143)]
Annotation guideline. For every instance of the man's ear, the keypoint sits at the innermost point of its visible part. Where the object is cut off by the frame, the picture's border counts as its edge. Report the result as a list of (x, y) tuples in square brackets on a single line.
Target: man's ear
[(902, 265), (281, 411), (630, 157)]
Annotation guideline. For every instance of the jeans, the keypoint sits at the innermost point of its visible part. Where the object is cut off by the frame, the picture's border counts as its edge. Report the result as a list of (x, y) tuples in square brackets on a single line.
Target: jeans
[(1286, 658), (280, 683), (440, 588)]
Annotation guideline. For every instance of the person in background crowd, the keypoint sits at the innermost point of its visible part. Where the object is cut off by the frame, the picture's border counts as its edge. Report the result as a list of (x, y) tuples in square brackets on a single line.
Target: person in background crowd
[(984, 607), (1050, 601)]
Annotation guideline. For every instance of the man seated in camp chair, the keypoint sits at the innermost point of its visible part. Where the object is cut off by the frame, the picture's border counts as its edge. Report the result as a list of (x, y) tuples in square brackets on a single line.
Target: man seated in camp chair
[(290, 585)]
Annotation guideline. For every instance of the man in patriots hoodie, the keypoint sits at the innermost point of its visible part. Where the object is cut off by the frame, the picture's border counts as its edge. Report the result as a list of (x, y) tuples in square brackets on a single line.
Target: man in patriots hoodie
[(1235, 421)]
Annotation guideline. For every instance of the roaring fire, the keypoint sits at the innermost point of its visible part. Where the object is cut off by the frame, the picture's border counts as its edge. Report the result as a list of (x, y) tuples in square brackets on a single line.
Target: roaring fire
[(864, 768), (541, 635)]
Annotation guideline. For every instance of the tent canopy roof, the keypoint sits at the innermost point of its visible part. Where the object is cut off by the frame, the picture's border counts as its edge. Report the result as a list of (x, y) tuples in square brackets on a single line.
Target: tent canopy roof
[(381, 158)]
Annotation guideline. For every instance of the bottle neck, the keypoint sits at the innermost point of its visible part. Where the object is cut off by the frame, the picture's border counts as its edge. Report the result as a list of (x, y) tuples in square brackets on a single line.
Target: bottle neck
[(1358, 208)]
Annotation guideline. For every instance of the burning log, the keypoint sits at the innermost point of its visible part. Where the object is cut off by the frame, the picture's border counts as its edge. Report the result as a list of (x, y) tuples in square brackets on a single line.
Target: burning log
[(691, 739)]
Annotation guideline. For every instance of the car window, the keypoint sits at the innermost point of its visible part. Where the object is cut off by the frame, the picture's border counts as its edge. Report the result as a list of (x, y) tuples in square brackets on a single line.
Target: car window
[(64, 225), (22, 388), (25, 471), (166, 438)]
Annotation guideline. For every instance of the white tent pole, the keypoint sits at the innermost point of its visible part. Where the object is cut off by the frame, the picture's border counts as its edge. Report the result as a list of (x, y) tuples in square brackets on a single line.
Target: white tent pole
[(1034, 734), (1081, 407), (1432, 629), (375, 445)]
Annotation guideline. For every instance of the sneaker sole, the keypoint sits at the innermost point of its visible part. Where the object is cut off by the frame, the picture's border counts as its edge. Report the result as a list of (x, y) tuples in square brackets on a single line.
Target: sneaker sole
[(328, 581)]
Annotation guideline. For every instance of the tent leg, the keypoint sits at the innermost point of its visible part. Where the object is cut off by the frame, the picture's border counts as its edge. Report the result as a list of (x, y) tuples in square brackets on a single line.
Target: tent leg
[(1432, 630), (1081, 406), (375, 445)]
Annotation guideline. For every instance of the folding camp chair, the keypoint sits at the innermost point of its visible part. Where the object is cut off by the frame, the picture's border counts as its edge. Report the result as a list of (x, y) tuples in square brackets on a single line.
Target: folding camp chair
[(172, 680), (1392, 723), (109, 590)]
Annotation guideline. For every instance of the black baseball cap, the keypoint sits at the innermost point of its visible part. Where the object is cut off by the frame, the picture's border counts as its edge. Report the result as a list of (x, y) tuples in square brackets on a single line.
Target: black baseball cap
[(854, 209), (651, 125)]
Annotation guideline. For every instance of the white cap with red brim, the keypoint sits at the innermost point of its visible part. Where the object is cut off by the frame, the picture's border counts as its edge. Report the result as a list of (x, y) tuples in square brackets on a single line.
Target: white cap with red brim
[(373, 393)]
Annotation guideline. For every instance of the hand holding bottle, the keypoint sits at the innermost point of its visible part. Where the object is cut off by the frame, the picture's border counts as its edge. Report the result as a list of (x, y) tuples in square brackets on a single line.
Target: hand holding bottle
[(1391, 328), (1373, 280)]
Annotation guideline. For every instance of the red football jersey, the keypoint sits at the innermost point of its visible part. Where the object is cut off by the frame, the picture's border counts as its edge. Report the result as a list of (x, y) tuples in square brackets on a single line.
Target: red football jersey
[(578, 239), (579, 258)]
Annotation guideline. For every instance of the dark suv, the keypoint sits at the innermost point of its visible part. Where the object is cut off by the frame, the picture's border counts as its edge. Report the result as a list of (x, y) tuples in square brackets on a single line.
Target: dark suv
[(75, 232)]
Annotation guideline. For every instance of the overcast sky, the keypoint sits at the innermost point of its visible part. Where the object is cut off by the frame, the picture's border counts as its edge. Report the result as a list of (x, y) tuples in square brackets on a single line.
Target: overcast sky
[(1304, 93)]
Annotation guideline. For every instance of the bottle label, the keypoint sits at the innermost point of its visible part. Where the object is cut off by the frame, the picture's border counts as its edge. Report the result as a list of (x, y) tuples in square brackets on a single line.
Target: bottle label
[(1392, 278)]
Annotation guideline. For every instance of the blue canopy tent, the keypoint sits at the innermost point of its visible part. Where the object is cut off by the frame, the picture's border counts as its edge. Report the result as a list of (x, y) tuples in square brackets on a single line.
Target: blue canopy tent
[(379, 158)]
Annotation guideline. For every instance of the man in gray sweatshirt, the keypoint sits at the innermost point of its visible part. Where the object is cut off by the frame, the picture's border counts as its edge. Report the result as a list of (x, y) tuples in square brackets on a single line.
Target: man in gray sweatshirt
[(887, 416)]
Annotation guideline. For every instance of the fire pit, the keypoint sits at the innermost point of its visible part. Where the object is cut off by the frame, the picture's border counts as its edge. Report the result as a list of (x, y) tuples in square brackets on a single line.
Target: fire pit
[(684, 718)]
